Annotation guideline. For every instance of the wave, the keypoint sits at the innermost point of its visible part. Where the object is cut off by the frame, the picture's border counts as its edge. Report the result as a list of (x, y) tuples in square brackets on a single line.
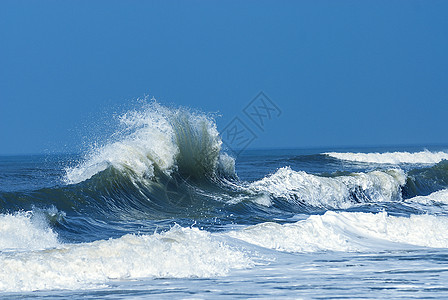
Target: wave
[(157, 139), (166, 163), (394, 158), (177, 253), (349, 231), (335, 192)]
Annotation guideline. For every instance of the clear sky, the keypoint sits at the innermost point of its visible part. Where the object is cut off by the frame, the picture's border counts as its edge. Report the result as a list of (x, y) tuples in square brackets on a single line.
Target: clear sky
[(343, 73)]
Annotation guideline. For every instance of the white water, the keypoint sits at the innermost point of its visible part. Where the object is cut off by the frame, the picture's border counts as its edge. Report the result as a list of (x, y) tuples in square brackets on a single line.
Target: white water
[(178, 253), (299, 186), (423, 157)]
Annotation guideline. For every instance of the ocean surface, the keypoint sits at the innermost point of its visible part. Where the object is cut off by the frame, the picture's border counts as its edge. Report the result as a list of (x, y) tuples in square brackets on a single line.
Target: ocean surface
[(162, 209)]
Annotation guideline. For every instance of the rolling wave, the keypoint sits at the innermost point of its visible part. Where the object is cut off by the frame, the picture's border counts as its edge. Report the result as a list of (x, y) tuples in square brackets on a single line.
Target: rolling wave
[(165, 166), (159, 146), (423, 181)]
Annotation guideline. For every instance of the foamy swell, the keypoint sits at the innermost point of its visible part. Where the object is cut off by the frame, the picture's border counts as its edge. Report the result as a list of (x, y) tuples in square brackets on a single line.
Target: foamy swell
[(423, 157), (156, 137), (347, 231), (335, 192), (178, 253)]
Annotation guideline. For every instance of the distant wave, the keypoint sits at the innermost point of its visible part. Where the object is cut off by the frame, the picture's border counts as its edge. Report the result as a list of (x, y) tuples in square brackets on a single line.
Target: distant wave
[(336, 192), (348, 231), (423, 157)]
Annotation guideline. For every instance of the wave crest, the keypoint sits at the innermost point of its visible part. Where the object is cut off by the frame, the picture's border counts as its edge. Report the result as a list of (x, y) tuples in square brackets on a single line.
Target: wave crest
[(156, 139)]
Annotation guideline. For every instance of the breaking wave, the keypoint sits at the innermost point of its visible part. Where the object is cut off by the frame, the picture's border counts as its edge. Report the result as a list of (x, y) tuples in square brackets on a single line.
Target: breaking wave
[(158, 140)]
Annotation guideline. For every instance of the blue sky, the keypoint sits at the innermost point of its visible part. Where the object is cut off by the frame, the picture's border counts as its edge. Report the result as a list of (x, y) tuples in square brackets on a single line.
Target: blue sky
[(343, 73)]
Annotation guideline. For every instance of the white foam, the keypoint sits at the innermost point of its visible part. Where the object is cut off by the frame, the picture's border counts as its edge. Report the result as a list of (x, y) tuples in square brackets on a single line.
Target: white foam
[(436, 197), (348, 231), (423, 157), (25, 231), (178, 253), (301, 187)]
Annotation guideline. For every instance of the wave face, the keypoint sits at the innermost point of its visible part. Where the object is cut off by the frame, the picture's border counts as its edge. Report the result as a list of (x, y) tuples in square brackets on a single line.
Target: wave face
[(394, 158)]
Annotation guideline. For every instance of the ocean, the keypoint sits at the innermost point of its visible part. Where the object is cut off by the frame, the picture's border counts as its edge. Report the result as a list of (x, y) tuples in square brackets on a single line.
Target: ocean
[(162, 208)]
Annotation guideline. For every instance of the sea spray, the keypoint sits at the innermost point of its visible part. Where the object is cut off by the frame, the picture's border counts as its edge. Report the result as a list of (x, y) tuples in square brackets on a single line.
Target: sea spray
[(156, 138)]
